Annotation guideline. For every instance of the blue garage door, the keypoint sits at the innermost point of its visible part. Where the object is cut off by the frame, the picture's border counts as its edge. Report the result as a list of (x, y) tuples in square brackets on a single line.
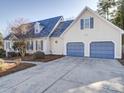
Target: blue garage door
[(102, 50), (75, 49)]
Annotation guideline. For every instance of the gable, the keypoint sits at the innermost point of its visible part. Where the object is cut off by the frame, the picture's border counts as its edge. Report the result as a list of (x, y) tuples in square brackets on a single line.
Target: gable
[(99, 22), (11, 37), (61, 28)]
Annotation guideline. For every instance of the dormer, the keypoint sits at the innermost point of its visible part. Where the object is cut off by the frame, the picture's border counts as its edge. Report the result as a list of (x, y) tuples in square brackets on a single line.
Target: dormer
[(38, 27)]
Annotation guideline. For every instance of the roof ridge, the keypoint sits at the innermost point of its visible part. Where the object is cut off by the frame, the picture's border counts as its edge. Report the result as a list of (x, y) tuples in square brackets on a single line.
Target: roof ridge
[(48, 19)]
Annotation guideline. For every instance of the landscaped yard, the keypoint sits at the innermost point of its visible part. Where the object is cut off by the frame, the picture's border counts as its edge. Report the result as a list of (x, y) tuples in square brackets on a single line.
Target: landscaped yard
[(46, 58), (68, 75), (11, 67)]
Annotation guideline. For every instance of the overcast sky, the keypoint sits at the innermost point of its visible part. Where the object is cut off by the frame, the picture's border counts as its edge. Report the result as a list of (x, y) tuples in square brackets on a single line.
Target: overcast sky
[(34, 10)]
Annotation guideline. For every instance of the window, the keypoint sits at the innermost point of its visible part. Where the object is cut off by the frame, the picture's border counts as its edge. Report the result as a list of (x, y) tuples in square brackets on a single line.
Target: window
[(7, 45), (29, 45), (87, 23), (36, 45), (39, 45), (38, 27)]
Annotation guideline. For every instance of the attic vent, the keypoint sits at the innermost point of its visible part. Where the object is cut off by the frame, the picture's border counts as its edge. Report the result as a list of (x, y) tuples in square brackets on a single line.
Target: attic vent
[(38, 27)]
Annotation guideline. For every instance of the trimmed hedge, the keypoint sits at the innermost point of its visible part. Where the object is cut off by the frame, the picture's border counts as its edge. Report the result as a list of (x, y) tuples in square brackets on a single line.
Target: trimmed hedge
[(38, 55), (13, 54), (2, 53)]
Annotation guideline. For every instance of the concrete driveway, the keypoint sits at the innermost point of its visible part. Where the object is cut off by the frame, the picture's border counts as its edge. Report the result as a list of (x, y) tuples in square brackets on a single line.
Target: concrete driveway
[(67, 75)]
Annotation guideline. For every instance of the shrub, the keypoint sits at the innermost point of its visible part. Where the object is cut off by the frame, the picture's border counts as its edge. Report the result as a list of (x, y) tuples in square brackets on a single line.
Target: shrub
[(17, 61), (1, 65), (2, 53), (1, 61), (27, 54), (38, 55), (13, 54)]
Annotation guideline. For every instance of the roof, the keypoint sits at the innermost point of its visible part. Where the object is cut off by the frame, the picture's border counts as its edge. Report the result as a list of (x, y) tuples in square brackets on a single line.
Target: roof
[(61, 28), (48, 24)]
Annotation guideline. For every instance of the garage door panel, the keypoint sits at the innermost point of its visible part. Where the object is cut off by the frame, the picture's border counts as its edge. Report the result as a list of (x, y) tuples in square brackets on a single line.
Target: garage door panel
[(75, 49), (102, 43), (103, 52), (103, 56), (102, 49)]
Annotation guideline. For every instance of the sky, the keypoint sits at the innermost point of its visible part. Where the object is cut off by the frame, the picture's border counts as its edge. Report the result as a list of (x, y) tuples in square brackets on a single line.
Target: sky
[(33, 10)]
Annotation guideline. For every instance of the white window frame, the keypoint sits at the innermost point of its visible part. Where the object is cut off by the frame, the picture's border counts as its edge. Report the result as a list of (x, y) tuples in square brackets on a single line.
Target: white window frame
[(8, 45), (39, 48), (88, 18), (38, 27)]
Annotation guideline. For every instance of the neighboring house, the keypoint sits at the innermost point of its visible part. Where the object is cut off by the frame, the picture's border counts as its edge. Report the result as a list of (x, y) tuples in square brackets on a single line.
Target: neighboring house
[(89, 35)]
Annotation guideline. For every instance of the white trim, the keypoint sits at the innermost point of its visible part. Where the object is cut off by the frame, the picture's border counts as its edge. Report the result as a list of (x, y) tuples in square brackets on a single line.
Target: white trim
[(87, 18), (85, 9), (12, 37), (111, 24), (38, 28)]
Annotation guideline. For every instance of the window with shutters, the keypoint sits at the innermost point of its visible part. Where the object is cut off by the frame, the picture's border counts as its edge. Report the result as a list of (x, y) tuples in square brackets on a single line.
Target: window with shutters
[(87, 23)]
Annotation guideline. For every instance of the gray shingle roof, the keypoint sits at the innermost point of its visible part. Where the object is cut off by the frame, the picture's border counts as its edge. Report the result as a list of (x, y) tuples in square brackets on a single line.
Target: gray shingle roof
[(61, 28), (48, 24)]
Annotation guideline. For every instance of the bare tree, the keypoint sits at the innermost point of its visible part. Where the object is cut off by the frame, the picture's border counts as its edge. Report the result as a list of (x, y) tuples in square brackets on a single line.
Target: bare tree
[(19, 26)]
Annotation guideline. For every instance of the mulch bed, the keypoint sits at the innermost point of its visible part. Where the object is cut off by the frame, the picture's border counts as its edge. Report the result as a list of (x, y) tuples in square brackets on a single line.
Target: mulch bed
[(121, 61), (19, 67), (47, 58)]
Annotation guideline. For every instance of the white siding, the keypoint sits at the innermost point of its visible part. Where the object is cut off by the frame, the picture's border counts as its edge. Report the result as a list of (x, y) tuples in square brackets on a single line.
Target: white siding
[(45, 45), (101, 32), (57, 45)]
